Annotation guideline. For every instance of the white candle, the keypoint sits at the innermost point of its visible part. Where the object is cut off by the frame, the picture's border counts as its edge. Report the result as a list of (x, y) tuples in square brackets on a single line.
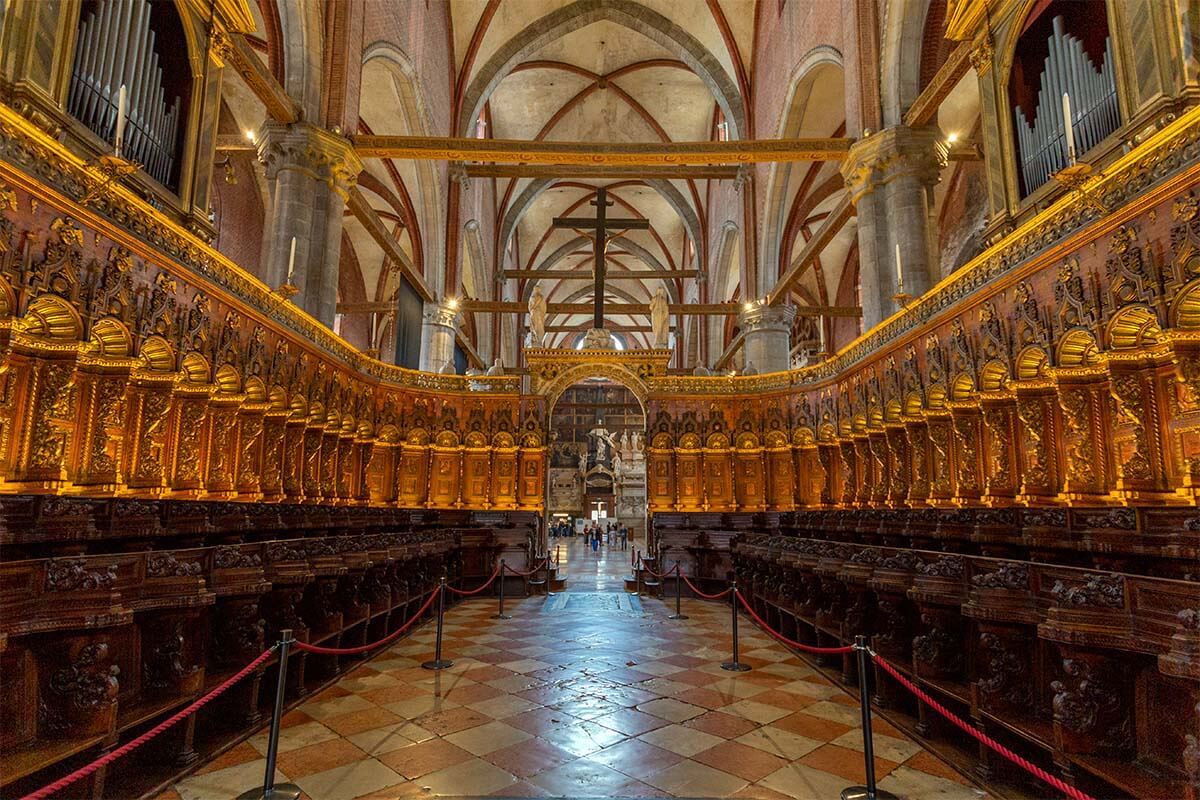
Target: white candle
[(1069, 128), (292, 261), (119, 135), (899, 271)]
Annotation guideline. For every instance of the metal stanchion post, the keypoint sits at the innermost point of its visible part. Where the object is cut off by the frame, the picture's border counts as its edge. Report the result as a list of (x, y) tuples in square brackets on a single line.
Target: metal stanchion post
[(735, 665), (438, 662), (269, 791), (678, 614), (500, 612), (870, 791), (637, 576)]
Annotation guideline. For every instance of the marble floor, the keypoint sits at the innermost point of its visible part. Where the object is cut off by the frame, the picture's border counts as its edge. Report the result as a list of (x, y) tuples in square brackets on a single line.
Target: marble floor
[(588, 694)]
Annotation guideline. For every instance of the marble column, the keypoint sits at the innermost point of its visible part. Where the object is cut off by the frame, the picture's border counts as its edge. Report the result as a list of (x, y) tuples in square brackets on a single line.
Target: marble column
[(766, 332), (438, 326), (891, 176), (309, 173)]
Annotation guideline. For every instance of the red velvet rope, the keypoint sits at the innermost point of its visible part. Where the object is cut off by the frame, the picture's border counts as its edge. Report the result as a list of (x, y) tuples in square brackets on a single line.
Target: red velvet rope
[(980, 736), (349, 651), (541, 564), (692, 586), (108, 758), (808, 648), (666, 574), (461, 593)]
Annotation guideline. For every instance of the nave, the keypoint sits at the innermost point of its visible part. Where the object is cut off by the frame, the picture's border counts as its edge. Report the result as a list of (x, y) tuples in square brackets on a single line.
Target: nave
[(587, 693)]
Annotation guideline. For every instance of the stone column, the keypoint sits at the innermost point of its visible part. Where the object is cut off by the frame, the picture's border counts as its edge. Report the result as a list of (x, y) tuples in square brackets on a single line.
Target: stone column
[(767, 336), (437, 336), (891, 176), (309, 174)]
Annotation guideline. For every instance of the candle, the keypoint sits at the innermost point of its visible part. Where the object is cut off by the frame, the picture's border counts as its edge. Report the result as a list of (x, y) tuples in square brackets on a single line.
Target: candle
[(1069, 128), (899, 272), (119, 135), (292, 261)]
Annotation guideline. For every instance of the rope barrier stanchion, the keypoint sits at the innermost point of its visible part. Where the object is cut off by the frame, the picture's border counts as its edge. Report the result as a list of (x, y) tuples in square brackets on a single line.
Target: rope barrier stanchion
[(870, 791), (269, 791), (500, 611), (678, 614), (979, 736), (438, 662), (735, 665), (62, 783)]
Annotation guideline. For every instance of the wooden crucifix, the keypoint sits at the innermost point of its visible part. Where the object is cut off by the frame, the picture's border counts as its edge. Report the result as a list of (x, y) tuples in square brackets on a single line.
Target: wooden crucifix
[(600, 227)]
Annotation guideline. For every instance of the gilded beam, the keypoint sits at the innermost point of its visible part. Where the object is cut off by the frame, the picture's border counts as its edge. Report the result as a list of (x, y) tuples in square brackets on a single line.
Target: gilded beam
[(237, 52), (699, 172), (924, 109), (512, 151), (666, 274), (701, 309)]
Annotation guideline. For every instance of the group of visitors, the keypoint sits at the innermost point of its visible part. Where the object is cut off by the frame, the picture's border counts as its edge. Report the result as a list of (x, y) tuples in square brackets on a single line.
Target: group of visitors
[(610, 535)]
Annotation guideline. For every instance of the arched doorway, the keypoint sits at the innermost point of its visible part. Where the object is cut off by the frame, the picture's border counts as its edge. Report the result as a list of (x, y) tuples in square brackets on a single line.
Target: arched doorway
[(596, 449)]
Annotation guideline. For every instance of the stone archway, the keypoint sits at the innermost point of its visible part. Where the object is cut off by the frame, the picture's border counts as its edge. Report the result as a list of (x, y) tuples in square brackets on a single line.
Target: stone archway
[(629, 14), (556, 372)]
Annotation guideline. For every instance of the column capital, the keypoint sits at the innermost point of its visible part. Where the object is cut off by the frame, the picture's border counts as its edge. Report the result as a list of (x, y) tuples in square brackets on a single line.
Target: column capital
[(441, 314), (892, 153), (319, 153), (762, 317)]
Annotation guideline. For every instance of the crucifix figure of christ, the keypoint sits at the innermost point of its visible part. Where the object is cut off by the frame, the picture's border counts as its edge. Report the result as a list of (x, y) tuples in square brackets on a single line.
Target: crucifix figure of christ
[(600, 227)]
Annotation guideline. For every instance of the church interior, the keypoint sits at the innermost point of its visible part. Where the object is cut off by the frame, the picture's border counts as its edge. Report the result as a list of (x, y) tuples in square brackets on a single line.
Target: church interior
[(574, 398)]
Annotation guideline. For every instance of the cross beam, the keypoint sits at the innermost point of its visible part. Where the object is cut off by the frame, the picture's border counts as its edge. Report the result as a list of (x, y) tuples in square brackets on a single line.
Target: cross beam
[(592, 171), (641, 274), (694, 309), (515, 151)]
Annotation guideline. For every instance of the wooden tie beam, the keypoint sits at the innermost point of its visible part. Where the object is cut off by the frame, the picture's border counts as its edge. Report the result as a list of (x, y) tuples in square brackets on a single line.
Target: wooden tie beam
[(696, 309), (238, 53), (698, 172), (837, 218), (644, 274), (365, 214), (668, 154)]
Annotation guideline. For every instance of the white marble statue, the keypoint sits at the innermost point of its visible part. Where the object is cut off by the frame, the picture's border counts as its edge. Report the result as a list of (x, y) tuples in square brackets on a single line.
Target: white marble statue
[(497, 368), (658, 317), (537, 318)]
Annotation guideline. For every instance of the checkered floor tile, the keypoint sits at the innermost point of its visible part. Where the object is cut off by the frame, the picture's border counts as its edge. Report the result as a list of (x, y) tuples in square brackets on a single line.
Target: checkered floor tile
[(602, 697)]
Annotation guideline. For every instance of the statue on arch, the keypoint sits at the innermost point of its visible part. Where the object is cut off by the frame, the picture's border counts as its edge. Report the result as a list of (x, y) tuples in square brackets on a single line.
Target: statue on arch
[(659, 314), (537, 318)]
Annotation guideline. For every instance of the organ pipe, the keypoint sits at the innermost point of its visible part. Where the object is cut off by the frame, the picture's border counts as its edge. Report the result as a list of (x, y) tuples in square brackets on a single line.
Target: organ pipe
[(116, 47), (1042, 146)]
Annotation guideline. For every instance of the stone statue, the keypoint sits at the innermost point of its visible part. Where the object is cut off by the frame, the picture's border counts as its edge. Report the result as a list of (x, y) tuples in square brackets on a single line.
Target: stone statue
[(448, 368), (658, 317), (702, 371), (537, 318), (496, 368), (750, 369)]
